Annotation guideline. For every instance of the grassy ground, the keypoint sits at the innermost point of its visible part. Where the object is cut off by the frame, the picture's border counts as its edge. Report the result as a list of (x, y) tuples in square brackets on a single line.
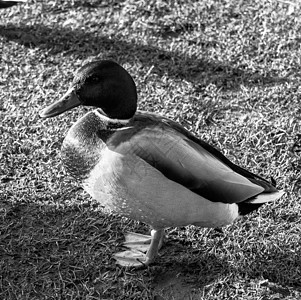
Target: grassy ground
[(227, 70)]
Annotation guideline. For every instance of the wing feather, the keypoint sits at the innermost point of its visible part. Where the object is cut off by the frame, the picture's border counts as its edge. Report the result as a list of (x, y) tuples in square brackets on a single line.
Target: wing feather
[(189, 161)]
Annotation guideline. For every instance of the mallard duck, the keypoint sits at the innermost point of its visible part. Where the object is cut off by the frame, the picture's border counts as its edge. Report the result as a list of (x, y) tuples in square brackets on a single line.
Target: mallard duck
[(6, 3), (147, 167)]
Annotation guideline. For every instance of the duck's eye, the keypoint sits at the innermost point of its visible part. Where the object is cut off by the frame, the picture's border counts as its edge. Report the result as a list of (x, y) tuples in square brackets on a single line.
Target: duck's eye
[(93, 78)]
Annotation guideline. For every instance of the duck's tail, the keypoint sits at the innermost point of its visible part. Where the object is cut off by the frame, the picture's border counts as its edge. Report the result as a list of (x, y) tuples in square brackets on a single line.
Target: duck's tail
[(267, 197), (255, 202)]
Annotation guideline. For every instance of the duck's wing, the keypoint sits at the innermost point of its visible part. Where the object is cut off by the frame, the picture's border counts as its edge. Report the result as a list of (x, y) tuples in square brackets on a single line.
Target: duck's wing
[(183, 158), (190, 138)]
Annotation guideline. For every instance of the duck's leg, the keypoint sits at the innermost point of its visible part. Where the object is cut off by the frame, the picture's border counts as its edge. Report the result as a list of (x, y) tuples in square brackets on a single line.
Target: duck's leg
[(156, 244), (138, 244)]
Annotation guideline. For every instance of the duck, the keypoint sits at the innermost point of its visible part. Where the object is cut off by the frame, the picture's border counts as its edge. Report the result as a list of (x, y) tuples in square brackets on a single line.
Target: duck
[(9, 3), (147, 167)]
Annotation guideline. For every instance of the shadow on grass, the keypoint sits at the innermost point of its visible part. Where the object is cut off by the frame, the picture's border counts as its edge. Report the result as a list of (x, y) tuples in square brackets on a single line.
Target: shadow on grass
[(190, 274), (49, 251), (281, 270), (185, 273), (82, 44)]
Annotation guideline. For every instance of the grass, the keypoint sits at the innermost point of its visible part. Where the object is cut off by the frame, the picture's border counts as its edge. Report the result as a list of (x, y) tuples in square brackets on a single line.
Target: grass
[(229, 71)]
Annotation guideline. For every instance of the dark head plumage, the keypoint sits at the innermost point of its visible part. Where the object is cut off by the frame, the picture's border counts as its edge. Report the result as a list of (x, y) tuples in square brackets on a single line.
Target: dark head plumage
[(103, 84)]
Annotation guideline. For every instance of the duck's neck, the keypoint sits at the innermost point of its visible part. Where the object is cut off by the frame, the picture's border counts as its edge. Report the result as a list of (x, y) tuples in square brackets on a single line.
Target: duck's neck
[(112, 121), (83, 145)]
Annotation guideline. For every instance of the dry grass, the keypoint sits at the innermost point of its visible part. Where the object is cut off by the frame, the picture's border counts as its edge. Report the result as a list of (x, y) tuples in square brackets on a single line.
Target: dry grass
[(227, 70)]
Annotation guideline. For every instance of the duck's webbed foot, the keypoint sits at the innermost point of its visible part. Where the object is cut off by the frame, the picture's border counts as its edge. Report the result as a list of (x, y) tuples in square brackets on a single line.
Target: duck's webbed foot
[(143, 249)]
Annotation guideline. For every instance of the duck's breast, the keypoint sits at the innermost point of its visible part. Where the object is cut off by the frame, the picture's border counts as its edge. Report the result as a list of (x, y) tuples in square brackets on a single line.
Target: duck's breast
[(82, 146)]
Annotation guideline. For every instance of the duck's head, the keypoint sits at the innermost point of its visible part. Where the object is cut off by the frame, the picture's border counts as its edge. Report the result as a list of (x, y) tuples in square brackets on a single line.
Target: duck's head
[(103, 84)]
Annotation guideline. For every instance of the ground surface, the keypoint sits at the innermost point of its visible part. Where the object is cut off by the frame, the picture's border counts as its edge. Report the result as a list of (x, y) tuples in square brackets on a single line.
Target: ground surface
[(229, 71)]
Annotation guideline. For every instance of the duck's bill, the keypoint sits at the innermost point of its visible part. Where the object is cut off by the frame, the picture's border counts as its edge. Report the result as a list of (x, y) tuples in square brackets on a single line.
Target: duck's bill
[(9, 3), (68, 101)]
